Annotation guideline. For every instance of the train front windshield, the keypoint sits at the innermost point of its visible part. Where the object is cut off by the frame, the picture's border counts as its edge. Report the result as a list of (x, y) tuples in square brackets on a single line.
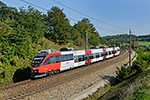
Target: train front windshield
[(38, 59)]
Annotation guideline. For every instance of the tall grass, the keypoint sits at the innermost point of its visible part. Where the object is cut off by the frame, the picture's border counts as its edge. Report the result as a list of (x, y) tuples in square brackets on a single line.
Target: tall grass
[(139, 89)]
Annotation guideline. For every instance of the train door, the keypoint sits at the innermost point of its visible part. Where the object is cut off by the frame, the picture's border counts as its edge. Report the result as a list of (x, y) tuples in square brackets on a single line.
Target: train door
[(76, 61)]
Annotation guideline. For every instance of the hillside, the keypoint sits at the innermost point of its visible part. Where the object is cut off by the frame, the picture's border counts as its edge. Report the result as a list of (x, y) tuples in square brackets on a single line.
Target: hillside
[(25, 32), (135, 87)]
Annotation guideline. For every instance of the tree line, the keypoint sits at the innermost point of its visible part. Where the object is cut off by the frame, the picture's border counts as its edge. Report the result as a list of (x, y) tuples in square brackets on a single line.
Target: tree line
[(125, 38)]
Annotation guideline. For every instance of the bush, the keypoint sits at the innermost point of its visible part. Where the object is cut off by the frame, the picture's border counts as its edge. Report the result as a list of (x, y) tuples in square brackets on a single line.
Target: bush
[(140, 65), (122, 73), (142, 61)]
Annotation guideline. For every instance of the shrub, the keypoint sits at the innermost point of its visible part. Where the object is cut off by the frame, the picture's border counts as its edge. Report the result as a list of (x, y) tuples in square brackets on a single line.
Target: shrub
[(142, 61), (140, 65), (122, 73)]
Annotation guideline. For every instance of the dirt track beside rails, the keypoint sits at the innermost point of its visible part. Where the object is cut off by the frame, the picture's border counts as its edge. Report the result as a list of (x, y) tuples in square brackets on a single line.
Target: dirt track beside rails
[(66, 84)]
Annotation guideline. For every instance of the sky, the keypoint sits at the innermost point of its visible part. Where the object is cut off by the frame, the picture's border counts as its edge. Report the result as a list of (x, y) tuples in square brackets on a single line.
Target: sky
[(110, 17)]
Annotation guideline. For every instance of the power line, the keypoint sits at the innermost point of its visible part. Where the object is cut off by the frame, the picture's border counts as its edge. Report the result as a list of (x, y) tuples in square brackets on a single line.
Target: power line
[(100, 27), (34, 5), (88, 15), (108, 30), (72, 18)]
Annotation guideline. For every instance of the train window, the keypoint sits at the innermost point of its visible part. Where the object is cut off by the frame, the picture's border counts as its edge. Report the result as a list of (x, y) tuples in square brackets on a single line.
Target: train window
[(66, 57), (113, 52), (85, 57), (103, 54), (90, 56), (57, 59), (47, 61), (81, 58), (63, 58), (106, 53), (70, 57), (97, 55), (52, 59), (109, 52)]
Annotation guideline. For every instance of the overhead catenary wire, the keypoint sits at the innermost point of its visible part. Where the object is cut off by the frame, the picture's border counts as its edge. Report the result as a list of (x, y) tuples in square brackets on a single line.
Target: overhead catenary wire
[(89, 16), (100, 27), (75, 19)]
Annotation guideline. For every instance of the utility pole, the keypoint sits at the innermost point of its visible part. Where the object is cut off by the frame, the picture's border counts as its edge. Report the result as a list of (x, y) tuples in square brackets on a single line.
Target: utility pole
[(86, 48), (130, 48), (138, 42), (86, 41), (134, 44), (114, 40)]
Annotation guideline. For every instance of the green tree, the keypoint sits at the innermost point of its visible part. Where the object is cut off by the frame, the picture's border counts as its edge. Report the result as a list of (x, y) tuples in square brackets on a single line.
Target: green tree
[(85, 25), (93, 39), (103, 41), (58, 26), (117, 43), (111, 42), (82, 28), (133, 44), (7, 12), (142, 60)]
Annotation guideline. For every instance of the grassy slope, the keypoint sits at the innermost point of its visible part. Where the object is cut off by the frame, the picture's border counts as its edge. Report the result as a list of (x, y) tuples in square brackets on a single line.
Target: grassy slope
[(135, 87), (21, 69), (144, 43)]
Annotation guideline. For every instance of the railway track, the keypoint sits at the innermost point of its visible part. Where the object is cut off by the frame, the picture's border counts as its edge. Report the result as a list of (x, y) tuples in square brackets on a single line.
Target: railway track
[(25, 88)]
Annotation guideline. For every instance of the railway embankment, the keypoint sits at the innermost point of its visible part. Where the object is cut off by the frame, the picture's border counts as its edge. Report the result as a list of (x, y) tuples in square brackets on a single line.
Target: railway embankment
[(102, 82), (83, 86)]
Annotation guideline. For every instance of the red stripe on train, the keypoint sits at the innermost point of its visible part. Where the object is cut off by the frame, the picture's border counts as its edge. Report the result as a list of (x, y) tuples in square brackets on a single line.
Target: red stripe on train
[(104, 50), (113, 54)]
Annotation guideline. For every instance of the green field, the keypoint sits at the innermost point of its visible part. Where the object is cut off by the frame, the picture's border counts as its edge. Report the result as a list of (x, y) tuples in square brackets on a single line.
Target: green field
[(144, 43)]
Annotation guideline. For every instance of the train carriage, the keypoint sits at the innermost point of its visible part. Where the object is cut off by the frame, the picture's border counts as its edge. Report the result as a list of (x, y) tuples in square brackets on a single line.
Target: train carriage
[(96, 55), (52, 61), (80, 58), (47, 62), (117, 51)]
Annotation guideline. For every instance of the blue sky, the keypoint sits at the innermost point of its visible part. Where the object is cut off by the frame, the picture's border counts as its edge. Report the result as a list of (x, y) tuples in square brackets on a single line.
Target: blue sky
[(129, 14)]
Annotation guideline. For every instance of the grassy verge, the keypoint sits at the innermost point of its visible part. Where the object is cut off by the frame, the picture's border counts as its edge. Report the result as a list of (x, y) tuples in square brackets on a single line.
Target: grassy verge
[(134, 87)]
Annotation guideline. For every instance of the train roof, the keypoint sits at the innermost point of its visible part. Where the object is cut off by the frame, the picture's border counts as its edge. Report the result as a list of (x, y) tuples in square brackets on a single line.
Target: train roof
[(48, 51), (67, 49)]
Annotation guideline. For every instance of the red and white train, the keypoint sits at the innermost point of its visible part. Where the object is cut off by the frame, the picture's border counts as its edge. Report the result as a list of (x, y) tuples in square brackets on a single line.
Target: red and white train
[(52, 61)]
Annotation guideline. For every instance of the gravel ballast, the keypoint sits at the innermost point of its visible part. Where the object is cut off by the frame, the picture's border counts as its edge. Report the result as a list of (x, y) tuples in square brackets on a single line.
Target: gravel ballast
[(80, 87)]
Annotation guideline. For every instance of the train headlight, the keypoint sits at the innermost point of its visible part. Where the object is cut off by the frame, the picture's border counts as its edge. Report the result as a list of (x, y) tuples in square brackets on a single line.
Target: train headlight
[(34, 71)]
